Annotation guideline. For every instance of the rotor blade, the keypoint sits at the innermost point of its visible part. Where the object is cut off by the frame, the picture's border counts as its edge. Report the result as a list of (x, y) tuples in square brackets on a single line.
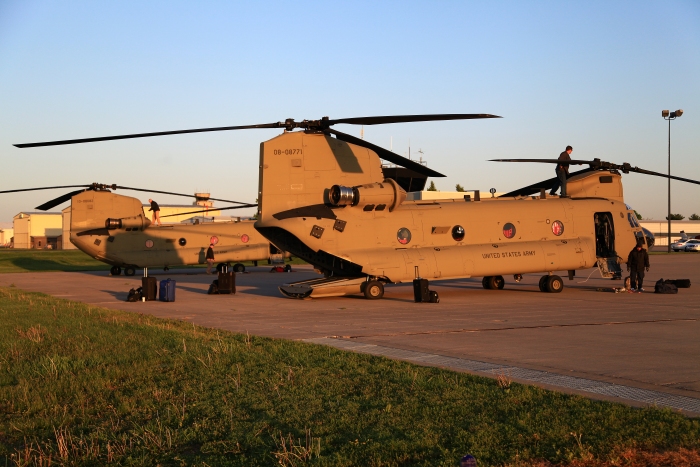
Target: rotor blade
[(547, 161), (657, 174), (56, 201), (210, 210), (44, 188), (387, 155), (598, 164), (145, 135), (536, 187), (407, 118), (176, 194)]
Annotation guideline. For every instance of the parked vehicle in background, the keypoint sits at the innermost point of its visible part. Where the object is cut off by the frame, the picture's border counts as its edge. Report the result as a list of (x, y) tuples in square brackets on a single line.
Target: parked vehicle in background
[(692, 245), (679, 245)]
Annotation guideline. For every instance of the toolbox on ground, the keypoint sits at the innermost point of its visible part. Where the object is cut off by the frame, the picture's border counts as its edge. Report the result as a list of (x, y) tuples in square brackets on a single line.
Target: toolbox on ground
[(227, 282), (149, 286), (167, 291)]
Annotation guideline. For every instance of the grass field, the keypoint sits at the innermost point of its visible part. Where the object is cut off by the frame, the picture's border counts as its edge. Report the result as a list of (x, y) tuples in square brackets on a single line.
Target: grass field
[(81, 385), (12, 260)]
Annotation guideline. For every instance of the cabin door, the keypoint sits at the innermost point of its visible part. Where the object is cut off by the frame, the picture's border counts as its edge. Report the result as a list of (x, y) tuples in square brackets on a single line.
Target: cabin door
[(606, 255)]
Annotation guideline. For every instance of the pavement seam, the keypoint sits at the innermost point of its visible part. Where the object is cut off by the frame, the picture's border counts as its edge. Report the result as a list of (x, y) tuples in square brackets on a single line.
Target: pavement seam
[(515, 328)]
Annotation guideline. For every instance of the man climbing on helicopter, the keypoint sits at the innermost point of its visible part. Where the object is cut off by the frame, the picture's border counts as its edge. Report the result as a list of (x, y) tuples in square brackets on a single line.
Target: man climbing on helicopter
[(156, 211), (562, 171)]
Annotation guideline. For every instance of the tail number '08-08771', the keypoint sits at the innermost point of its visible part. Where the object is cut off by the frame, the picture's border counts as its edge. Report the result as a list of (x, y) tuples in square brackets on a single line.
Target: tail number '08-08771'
[(286, 152)]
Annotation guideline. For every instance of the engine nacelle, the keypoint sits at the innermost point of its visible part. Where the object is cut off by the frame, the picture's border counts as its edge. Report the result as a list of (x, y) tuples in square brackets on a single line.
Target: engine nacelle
[(127, 223), (373, 196)]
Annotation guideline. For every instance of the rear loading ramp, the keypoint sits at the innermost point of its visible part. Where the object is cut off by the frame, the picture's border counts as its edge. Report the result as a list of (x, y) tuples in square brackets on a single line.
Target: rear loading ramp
[(325, 287)]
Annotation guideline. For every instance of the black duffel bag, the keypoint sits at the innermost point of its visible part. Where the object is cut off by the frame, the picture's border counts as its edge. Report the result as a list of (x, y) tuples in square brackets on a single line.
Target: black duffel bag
[(664, 287), (680, 283)]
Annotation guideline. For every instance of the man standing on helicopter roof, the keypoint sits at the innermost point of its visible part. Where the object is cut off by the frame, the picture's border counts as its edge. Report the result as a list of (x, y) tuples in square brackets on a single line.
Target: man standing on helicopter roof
[(562, 171), (156, 211)]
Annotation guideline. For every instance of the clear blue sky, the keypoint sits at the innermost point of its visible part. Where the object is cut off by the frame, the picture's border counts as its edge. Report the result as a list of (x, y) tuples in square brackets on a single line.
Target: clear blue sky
[(594, 75)]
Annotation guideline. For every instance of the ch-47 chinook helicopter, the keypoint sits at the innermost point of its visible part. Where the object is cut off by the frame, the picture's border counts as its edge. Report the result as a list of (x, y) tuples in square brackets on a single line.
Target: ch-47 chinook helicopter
[(325, 197), (114, 229)]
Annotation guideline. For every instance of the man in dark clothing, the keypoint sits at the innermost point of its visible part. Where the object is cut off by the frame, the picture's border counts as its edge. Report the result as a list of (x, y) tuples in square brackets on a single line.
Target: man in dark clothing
[(637, 262), (156, 211), (210, 258), (562, 171)]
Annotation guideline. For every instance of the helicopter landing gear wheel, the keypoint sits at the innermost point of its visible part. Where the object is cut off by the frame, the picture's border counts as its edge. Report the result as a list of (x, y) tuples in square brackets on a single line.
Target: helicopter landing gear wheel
[(220, 267), (129, 271), (115, 271), (373, 290), (238, 267), (543, 283), (493, 282), (555, 284)]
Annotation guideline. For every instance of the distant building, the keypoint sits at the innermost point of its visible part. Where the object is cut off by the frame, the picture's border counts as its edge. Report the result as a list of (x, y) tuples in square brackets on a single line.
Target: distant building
[(209, 220), (6, 237), (177, 210), (38, 230), (660, 230), (433, 195)]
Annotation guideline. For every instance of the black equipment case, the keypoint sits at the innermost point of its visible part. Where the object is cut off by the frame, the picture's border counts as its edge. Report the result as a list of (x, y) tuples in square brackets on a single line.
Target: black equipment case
[(227, 282), (421, 292), (149, 286)]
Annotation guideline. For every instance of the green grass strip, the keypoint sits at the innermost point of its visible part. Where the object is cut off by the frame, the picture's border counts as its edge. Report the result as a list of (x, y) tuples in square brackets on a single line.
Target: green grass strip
[(81, 385), (12, 260)]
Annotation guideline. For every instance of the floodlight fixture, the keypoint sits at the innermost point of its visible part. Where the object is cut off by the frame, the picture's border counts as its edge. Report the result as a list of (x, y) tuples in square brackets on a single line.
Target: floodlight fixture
[(670, 116)]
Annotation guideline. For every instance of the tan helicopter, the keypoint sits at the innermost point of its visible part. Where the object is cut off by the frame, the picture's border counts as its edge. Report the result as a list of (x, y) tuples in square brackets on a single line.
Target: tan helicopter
[(330, 202), (114, 229)]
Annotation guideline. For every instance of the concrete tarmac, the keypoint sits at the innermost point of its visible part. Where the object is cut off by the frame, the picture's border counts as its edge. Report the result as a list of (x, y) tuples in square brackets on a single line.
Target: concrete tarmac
[(645, 341)]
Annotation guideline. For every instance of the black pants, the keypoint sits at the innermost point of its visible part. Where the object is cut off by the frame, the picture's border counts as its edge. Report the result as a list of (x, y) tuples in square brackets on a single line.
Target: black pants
[(637, 279), (561, 182)]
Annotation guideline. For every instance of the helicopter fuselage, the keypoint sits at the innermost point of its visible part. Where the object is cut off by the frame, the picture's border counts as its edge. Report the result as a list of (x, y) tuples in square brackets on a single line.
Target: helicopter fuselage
[(131, 240), (326, 201)]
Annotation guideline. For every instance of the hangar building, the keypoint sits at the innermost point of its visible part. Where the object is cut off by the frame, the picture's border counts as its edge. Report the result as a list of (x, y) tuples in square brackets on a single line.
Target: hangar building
[(39, 230), (6, 237)]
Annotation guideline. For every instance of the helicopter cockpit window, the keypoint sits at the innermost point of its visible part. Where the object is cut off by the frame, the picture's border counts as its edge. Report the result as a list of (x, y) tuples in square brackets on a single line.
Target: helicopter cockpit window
[(458, 233), (403, 236), (632, 218)]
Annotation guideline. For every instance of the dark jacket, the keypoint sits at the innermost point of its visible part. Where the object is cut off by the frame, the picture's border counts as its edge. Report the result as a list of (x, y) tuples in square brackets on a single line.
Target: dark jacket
[(154, 206), (638, 260), (564, 156), (210, 253)]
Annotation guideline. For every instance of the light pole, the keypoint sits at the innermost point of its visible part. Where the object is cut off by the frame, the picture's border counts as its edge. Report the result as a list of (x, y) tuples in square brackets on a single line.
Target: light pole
[(670, 116)]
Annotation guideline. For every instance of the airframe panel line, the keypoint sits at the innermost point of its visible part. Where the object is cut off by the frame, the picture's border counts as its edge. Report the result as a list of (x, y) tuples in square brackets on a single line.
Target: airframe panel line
[(660, 399)]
